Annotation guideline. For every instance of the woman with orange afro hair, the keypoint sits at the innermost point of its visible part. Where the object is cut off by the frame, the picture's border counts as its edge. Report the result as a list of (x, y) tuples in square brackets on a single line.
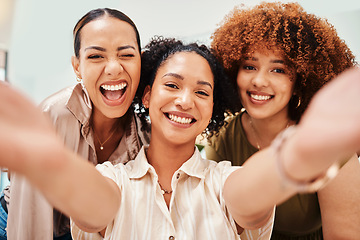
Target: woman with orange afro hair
[(279, 56)]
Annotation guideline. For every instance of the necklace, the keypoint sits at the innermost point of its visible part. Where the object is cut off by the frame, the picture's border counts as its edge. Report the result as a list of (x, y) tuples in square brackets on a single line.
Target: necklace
[(257, 136), (102, 143), (164, 191)]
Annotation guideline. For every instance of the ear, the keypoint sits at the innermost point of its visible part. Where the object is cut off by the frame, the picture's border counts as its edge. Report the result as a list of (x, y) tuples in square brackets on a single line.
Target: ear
[(75, 62), (146, 96)]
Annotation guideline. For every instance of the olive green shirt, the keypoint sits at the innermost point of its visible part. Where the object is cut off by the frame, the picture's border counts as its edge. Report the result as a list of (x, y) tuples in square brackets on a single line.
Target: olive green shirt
[(299, 217)]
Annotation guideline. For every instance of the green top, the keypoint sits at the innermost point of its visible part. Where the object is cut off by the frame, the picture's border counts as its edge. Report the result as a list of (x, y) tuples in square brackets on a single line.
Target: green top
[(299, 217)]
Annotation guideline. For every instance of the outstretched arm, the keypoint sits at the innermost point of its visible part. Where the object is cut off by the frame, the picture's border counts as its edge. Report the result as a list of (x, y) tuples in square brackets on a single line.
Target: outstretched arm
[(328, 132), (29, 146)]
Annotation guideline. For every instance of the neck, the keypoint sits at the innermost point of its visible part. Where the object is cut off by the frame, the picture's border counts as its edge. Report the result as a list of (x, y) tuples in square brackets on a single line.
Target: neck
[(166, 158), (261, 132), (103, 126), (107, 135)]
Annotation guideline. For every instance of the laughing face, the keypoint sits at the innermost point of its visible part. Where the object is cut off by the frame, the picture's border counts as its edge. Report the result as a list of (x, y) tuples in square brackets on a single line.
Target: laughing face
[(180, 101), (265, 84), (109, 64)]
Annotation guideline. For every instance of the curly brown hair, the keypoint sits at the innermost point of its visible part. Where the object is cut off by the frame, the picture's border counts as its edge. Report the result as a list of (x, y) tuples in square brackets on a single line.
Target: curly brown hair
[(309, 44)]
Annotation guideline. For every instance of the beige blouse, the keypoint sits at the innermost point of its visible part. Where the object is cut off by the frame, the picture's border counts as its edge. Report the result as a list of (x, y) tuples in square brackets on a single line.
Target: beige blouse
[(30, 215), (197, 208)]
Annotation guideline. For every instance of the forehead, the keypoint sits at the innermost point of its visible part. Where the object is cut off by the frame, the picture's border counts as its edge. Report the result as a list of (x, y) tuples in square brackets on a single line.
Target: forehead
[(109, 30), (189, 64)]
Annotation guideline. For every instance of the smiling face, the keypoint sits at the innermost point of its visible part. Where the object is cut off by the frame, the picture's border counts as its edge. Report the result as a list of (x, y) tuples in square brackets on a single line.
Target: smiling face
[(180, 101), (265, 84), (109, 64)]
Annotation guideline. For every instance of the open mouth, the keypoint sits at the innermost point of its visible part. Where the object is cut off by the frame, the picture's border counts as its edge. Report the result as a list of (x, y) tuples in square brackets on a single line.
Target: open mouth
[(113, 92), (180, 120)]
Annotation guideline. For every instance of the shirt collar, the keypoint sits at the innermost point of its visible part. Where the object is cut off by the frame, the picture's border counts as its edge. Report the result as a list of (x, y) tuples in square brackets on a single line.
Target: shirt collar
[(195, 166), (79, 104)]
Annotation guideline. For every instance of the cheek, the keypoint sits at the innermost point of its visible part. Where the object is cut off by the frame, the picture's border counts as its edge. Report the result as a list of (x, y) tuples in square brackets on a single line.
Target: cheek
[(241, 83), (89, 82), (90, 72), (134, 69), (287, 89), (208, 109)]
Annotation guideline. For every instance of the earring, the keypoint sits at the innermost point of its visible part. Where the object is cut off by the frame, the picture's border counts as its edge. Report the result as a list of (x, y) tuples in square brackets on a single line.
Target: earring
[(299, 102), (78, 79)]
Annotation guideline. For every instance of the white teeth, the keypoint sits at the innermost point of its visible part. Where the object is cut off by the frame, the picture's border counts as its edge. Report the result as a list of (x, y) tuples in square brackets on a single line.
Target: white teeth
[(114, 87), (260, 97), (181, 120)]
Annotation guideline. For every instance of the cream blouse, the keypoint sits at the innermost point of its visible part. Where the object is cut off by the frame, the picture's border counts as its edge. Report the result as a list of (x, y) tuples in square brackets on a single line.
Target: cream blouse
[(197, 209)]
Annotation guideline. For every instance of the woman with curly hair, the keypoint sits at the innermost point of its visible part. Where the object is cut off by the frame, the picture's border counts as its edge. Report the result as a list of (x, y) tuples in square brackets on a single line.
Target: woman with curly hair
[(278, 57), (169, 191)]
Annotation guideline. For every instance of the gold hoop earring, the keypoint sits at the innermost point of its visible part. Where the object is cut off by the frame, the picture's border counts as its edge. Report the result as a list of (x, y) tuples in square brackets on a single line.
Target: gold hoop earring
[(78, 79), (299, 102)]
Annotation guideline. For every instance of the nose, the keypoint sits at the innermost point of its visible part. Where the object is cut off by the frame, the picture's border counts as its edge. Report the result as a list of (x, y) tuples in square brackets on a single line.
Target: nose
[(260, 79), (185, 100), (113, 67)]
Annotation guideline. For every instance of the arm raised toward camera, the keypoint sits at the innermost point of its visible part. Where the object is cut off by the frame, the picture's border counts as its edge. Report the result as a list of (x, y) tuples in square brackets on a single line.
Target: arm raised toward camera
[(29, 146), (328, 133)]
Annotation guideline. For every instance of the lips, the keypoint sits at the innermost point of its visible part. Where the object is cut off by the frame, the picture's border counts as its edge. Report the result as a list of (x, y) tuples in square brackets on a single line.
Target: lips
[(113, 92)]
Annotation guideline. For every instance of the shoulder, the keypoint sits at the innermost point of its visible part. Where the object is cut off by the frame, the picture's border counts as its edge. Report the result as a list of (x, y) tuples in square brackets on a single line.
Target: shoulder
[(223, 168), (57, 100), (216, 170), (227, 137), (69, 105), (110, 170), (228, 131)]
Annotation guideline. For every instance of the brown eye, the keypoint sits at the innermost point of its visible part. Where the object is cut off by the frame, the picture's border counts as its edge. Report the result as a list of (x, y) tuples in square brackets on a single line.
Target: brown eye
[(171, 85), (94, 56), (202, 93), (248, 67), (128, 55), (279, 70)]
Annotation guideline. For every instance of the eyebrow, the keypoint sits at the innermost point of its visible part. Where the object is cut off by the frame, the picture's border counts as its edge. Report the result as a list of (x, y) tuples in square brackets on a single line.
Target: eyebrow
[(175, 75), (204, 83), (104, 50), (272, 61), (178, 76)]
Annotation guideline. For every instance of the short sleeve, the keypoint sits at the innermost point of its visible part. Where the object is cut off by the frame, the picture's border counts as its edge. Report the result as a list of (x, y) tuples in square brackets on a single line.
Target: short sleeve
[(111, 171), (78, 234), (261, 233)]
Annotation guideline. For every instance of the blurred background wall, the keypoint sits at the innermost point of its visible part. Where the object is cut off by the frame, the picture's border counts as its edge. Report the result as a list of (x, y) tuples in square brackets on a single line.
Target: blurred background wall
[(37, 34)]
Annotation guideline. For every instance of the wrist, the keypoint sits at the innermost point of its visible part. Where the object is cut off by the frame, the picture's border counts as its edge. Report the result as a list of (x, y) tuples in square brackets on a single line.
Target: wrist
[(294, 171)]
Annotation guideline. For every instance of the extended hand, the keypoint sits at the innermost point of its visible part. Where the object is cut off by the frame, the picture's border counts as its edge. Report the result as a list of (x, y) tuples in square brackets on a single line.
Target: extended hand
[(25, 132)]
